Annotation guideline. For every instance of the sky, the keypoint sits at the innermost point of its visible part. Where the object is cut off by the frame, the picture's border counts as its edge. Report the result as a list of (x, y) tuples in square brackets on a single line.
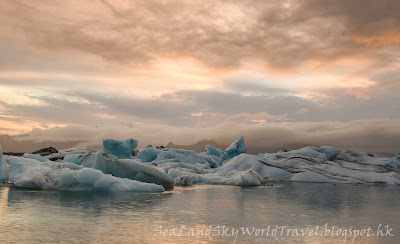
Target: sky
[(277, 72)]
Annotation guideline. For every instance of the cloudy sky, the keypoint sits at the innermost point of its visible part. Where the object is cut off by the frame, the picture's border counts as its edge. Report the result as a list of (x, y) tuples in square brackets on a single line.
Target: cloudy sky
[(278, 72)]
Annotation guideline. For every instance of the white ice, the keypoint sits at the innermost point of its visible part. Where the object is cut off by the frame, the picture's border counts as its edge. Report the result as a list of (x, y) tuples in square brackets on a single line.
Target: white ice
[(155, 170), (30, 173), (126, 168), (309, 164)]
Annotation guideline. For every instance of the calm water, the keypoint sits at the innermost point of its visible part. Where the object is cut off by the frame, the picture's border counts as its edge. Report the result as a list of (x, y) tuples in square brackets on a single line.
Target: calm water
[(28, 216)]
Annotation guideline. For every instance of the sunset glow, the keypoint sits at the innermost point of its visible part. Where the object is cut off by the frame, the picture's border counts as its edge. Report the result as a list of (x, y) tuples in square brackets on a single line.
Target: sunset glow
[(195, 64)]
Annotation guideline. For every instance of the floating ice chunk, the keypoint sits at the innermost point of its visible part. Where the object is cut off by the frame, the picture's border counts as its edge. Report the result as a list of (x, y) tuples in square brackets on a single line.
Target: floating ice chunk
[(310, 176), (67, 177), (131, 169), (180, 165), (315, 154), (126, 168), (235, 178), (72, 158), (215, 152), (247, 162), (35, 156), (96, 160), (121, 149), (60, 155), (186, 180), (89, 176), (395, 162), (307, 165), (188, 157), (148, 154), (332, 152), (236, 148), (179, 172), (242, 178), (30, 173), (3, 168)]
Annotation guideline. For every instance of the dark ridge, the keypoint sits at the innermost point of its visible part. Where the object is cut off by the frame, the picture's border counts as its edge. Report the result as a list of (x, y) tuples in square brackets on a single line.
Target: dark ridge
[(197, 147)]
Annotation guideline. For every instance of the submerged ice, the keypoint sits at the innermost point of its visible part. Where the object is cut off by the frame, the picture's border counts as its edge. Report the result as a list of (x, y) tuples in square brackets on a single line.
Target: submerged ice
[(157, 169)]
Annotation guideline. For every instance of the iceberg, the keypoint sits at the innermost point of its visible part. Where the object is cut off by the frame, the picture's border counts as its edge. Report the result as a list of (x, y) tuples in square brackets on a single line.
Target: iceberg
[(188, 157), (236, 148), (213, 158), (49, 175), (126, 168), (148, 154), (35, 156), (310, 164), (121, 149), (72, 158), (324, 164), (219, 155), (60, 155), (158, 169), (3, 168)]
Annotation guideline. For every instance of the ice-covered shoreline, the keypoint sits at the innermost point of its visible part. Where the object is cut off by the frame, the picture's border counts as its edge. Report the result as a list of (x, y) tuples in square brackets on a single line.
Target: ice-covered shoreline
[(158, 169)]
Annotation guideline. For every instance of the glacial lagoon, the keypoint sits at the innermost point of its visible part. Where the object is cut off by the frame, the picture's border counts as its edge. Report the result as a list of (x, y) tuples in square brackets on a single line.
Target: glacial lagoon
[(182, 214)]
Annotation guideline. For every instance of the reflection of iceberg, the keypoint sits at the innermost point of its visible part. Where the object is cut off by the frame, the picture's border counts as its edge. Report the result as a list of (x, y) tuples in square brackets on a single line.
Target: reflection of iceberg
[(3, 199), (154, 170)]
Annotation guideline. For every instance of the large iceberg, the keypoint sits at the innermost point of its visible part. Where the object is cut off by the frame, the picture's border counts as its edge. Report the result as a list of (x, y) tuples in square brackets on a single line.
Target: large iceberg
[(324, 164), (157, 169), (121, 149), (30, 173), (309, 164)]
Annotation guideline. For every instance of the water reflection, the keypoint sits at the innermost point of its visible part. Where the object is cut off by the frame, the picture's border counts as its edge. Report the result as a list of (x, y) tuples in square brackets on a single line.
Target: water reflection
[(3, 199), (96, 217)]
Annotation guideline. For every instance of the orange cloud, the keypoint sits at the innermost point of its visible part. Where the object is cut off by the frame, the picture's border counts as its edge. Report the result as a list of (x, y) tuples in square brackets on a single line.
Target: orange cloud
[(391, 38)]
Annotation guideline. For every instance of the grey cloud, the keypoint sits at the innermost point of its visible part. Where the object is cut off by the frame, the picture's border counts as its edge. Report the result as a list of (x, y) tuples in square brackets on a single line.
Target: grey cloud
[(234, 103), (254, 86), (218, 33), (55, 110), (362, 17), (389, 75), (210, 106)]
